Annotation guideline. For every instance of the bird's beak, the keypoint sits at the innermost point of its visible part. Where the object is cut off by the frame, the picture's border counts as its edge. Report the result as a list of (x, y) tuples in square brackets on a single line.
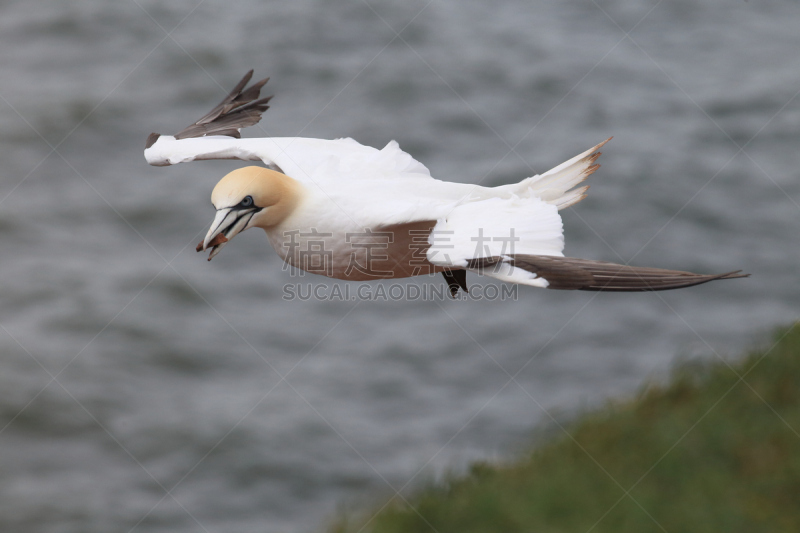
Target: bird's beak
[(227, 223)]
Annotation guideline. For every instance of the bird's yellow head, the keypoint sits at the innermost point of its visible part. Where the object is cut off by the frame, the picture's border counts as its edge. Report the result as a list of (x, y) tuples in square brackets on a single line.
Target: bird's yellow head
[(249, 197)]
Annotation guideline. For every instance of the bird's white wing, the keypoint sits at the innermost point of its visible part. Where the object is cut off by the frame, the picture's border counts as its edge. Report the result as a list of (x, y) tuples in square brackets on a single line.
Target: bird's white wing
[(217, 136), (323, 161), (300, 158)]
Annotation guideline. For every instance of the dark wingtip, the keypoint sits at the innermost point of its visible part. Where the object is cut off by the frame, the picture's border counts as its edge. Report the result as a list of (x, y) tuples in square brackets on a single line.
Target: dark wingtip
[(241, 108), (151, 140), (733, 275), (245, 79)]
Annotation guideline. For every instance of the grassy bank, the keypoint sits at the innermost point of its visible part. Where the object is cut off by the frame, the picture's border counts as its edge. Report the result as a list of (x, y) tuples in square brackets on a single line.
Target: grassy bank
[(717, 448)]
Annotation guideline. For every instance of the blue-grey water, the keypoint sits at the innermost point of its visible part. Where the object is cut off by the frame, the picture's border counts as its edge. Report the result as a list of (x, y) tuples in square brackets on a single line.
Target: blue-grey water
[(145, 389)]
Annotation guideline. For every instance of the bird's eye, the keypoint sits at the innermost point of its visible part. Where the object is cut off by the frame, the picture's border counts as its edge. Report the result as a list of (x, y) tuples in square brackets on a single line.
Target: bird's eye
[(247, 202)]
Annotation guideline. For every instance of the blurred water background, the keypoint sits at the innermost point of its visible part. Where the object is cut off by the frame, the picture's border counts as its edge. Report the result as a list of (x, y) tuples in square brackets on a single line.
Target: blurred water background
[(144, 389)]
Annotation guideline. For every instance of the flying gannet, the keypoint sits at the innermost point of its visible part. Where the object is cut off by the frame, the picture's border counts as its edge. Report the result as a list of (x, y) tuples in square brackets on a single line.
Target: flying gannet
[(353, 212)]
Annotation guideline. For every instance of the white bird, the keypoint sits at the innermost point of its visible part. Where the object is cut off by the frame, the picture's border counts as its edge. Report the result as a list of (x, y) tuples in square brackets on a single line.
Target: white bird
[(353, 212)]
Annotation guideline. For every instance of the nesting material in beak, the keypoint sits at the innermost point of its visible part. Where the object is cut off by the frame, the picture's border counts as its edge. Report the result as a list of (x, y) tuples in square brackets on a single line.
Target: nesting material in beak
[(215, 243)]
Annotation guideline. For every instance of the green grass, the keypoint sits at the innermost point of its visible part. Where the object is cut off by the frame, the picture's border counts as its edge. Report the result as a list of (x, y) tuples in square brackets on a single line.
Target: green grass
[(706, 452)]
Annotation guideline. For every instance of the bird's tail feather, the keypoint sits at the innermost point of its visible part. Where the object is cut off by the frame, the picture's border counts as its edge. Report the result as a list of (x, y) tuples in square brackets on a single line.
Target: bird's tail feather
[(556, 185)]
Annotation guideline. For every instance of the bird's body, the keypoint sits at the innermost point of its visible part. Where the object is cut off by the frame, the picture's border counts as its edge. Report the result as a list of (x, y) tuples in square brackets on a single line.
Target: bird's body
[(370, 213), (349, 211)]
